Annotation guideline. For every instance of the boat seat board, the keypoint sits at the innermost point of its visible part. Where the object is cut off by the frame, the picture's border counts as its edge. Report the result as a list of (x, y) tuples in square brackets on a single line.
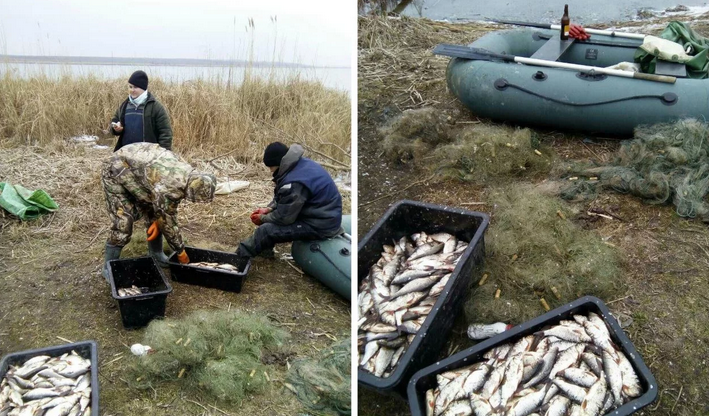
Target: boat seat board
[(670, 68), (553, 48)]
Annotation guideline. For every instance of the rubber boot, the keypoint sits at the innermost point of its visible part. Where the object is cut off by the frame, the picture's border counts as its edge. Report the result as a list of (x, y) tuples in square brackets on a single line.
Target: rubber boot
[(111, 253), (156, 251)]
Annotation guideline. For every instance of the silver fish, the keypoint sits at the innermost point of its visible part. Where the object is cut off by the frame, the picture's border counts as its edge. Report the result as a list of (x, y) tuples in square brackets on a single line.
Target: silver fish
[(558, 406), (567, 359), (476, 379), (568, 333), (451, 392), (614, 376), (425, 250), (593, 402), (572, 391), (593, 362), (409, 275), (493, 382), (430, 402), (40, 394), (631, 385), (438, 287), (547, 364), (527, 404), (369, 351), (397, 355), (599, 337), (513, 376), (579, 377), (480, 406), (459, 408), (532, 361), (382, 360), (417, 285)]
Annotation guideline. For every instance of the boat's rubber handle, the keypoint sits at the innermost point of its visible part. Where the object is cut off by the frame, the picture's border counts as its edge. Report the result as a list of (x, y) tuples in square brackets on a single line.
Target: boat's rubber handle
[(653, 77)]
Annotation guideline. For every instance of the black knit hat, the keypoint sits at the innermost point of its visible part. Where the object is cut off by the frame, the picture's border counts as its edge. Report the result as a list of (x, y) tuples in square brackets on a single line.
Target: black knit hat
[(139, 79), (274, 153)]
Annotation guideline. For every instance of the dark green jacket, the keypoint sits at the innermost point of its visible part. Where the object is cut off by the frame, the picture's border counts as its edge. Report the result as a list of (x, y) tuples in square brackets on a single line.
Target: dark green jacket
[(156, 123)]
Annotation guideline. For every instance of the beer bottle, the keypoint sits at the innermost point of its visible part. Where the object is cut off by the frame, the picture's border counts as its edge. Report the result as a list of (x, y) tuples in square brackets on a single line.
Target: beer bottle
[(565, 23)]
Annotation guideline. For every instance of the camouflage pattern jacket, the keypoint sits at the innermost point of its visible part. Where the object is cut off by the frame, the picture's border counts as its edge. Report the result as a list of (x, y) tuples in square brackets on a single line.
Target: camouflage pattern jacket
[(156, 178)]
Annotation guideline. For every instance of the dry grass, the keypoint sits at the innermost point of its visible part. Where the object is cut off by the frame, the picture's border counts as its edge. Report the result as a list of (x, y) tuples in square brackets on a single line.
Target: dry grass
[(206, 117)]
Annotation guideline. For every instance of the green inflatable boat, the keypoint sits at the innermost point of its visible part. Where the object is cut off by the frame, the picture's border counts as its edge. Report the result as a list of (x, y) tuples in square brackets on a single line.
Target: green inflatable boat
[(569, 99), (328, 260)]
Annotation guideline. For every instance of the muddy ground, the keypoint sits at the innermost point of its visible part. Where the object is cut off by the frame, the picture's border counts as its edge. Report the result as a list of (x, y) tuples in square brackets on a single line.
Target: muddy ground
[(665, 257), (51, 288)]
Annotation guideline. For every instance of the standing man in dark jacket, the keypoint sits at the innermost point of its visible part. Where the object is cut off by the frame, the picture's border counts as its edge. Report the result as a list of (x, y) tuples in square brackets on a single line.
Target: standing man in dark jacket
[(306, 203), (141, 118)]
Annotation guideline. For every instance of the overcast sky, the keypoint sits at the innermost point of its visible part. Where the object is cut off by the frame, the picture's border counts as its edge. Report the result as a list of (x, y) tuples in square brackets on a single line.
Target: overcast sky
[(321, 33)]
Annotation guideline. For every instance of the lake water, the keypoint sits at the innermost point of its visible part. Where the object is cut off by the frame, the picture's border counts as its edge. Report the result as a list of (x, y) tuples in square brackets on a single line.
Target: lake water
[(549, 11), (336, 78)]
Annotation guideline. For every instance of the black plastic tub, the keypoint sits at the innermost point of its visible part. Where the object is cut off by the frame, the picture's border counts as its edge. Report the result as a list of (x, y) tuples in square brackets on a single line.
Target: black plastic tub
[(426, 378), (86, 349), (230, 281), (405, 218), (137, 311)]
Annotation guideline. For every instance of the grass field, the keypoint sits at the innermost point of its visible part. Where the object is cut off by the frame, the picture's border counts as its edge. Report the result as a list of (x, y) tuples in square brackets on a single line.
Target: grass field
[(51, 285), (659, 290)]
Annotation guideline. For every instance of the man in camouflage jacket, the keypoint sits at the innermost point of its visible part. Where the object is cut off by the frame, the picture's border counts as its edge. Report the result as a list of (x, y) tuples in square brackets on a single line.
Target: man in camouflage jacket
[(144, 179)]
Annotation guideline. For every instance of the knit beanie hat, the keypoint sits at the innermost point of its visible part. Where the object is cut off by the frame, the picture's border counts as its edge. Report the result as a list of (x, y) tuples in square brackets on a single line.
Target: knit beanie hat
[(139, 79), (274, 153)]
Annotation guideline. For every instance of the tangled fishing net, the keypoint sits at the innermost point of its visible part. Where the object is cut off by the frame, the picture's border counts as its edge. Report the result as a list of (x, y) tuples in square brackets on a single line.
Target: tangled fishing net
[(664, 163), (322, 383), (217, 352), (475, 153), (534, 252)]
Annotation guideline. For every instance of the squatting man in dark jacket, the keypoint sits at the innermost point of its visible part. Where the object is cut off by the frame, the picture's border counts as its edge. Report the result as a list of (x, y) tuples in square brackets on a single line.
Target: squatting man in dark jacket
[(143, 179), (306, 203), (141, 117)]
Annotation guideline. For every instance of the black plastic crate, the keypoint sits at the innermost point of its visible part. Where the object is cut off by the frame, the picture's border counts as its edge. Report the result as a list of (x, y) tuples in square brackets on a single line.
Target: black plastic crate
[(214, 278), (426, 378), (403, 219), (138, 310), (86, 349)]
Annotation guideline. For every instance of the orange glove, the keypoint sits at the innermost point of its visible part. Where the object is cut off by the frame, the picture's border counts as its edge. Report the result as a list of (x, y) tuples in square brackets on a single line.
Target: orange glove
[(578, 32), (153, 231), (262, 211), (183, 258)]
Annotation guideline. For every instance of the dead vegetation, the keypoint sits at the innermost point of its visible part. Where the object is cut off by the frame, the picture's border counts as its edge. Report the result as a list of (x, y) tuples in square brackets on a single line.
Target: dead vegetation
[(643, 260)]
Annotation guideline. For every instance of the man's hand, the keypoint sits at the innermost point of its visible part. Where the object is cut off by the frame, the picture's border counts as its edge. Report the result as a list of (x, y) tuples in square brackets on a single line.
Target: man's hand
[(153, 231), (578, 32), (183, 258), (256, 218), (117, 127), (263, 211)]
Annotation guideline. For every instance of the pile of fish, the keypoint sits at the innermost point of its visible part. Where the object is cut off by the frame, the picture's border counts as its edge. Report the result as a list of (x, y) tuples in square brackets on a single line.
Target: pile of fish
[(130, 291), (222, 266), (46, 386), (398, 294), (572, 368)]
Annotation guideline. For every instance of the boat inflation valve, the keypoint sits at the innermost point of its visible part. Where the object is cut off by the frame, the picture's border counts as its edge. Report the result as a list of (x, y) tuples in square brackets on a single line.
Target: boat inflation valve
[(315, 247), (669, 98), (501, 84), (345, 251), (539, 76)]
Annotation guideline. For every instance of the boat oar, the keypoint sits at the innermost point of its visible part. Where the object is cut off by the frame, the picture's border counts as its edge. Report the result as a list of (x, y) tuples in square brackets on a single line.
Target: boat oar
[(589, 31), (464, 52)]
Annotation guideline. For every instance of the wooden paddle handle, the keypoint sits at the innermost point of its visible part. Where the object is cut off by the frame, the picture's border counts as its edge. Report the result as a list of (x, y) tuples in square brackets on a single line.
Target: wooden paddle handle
[(653, 77)]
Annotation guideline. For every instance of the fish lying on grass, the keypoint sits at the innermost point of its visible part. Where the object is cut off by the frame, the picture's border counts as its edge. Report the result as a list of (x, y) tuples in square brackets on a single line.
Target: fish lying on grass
[(47, 386), (131, 291), (398, 294), (221, 266), (568, 369)]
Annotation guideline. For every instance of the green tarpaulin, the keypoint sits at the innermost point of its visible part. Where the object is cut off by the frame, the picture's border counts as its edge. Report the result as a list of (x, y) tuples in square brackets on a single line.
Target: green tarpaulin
[(26, 204), (681, 33)]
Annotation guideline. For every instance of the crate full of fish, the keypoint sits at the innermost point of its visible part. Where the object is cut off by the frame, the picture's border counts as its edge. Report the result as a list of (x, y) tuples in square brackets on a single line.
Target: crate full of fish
[(415, 267), (209, 268), (140, 288), (573, 360), (61, 380)]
